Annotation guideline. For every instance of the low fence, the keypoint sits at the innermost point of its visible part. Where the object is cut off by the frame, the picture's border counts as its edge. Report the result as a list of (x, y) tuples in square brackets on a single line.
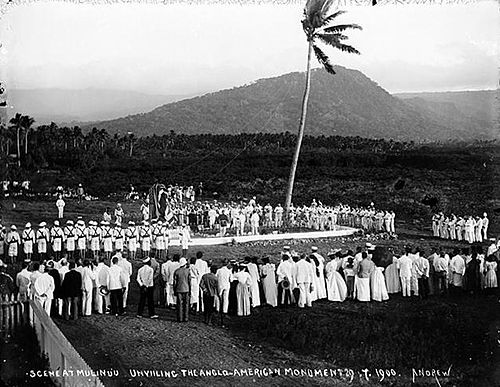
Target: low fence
[(13, 313), (69, 369)]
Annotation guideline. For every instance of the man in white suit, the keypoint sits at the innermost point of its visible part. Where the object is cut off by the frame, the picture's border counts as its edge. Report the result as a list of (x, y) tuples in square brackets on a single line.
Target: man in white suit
[(304, 278)]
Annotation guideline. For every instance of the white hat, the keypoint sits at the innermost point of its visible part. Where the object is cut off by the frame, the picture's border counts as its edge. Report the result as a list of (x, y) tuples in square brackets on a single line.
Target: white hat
[(333, 252), (28, 225), (42, 224), (131, 222), (13, 227), (56, 223), (314, 248), (485, 214), (286, 247), (146, 260), (80, 222), (182, 261), (69, 222)]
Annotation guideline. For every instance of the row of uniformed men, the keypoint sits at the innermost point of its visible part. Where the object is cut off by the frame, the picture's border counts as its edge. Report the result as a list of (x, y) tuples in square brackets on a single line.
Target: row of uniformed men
[(469, 229), (94, 237)]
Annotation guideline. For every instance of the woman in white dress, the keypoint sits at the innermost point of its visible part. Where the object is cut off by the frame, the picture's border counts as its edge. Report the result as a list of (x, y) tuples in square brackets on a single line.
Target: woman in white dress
[(336, 287), (378, 287), (490, 278), (243, 291), (268, 276), (195, 285), (392, 277), (315, 278)]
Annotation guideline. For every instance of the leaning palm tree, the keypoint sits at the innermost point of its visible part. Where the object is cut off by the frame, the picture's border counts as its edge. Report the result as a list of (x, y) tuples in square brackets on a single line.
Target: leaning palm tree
[(316, 24)]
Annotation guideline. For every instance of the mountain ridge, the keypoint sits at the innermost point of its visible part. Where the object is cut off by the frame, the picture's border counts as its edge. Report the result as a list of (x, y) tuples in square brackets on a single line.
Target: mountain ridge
[(348, 103)]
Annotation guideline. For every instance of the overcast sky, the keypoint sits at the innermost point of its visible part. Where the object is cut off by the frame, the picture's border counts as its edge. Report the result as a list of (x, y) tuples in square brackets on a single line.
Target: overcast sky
[(185, 49)]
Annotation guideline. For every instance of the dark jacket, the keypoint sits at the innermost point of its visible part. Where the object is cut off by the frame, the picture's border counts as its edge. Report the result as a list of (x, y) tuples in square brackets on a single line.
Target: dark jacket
[(182, 280), (72, 284), (54, 273)]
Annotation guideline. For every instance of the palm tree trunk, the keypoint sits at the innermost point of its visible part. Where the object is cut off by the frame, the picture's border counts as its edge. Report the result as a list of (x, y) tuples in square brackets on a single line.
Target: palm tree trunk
[(293, 169), (18, 147), (26, 142)]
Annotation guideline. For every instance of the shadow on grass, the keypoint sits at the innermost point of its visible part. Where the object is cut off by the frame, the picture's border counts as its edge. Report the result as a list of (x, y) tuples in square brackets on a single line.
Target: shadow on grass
[(402, 334), (21, 364)]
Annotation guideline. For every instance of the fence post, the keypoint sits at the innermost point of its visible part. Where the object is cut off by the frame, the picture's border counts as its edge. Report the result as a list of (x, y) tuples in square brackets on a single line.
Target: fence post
[(1, 314)]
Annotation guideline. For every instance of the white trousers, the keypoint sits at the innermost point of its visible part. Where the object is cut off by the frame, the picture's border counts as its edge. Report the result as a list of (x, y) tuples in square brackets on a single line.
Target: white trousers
[(45, 303), (414, 285), (224, 298), (406, 286), (87, 302), (101, 302), (305, 294), (125, 295)]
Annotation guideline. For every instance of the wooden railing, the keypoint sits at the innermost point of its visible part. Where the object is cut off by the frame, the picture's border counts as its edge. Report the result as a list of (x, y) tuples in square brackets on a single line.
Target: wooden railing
[(13, 313), (70, 370), (67, 368)]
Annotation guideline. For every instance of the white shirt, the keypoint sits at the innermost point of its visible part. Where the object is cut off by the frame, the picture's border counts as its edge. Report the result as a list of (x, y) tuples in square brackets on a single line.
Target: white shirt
[(145, 276), (286, 269), (88, 276), (223, 278), (303, 272), (44, 285), (126, 268), (405, 264), (422, 267), (115, 278), (457, 265), (102, 273)]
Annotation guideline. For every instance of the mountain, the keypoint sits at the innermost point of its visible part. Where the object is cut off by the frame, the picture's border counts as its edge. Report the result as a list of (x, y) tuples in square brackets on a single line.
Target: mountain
[(60, 105), (347, 104), (476, 110)]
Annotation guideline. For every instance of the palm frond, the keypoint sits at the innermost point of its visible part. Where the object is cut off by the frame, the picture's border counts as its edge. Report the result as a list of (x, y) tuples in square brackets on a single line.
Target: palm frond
[(346, 48), (331, 17), (342, 27), (323, 59), (331, 39), (312, 8), (325, 8)]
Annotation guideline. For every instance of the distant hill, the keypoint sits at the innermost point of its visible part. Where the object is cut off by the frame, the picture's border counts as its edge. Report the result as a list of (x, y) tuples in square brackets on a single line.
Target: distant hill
[(476, 110), (65, 106), (346, 104)]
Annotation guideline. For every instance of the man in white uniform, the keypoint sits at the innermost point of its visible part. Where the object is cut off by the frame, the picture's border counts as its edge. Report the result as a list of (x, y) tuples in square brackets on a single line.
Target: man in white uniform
[(57, 240), (44, 289), (42, 240), (127, 273), (60, 207), (132, 237), (28, 238), (304, 278), (224, 282)]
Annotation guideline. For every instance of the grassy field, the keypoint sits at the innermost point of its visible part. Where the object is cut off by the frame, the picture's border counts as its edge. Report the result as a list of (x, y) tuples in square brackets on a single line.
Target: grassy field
[(374, 344)]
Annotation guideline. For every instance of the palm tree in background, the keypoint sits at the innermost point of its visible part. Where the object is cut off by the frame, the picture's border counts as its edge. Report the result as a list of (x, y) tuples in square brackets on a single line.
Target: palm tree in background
[(16, 122), (316, 24), (26, 123)]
